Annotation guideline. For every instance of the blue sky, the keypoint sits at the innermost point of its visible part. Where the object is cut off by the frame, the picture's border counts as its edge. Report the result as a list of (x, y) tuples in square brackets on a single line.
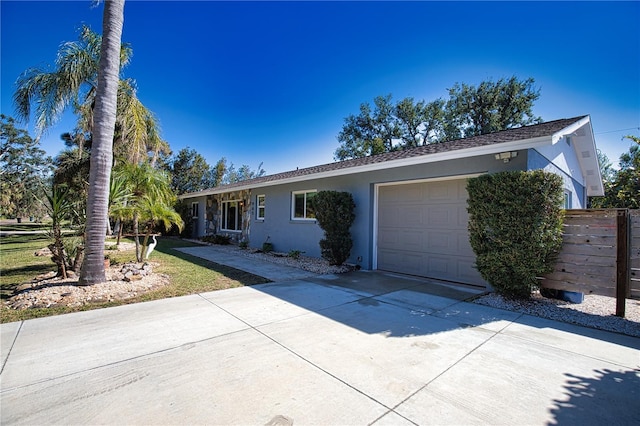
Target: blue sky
[(272, 82)]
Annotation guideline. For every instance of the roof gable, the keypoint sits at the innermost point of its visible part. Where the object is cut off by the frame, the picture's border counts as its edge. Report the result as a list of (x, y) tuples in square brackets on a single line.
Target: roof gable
[(517, 138)]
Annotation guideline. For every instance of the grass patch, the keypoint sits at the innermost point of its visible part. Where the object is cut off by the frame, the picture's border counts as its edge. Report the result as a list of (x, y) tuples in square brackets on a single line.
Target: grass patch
[(18, 265), (188, 274), (7, 226)]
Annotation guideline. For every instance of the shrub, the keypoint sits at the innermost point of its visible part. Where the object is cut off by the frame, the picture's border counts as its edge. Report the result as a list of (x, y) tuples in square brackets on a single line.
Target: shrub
[(515, 228), (295, 254), (219, 239), (267, 247), (334, 213)]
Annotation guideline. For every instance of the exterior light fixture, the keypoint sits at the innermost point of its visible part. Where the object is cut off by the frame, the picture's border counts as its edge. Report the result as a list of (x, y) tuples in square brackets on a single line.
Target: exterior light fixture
[(506, 156)]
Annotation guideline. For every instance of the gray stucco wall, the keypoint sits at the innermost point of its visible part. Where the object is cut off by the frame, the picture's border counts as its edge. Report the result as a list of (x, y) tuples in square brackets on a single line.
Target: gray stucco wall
[(287, 234)]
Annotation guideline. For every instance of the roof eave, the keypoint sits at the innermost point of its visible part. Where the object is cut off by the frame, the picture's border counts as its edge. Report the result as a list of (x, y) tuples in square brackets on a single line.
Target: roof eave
[(390, 164), (589, 166)]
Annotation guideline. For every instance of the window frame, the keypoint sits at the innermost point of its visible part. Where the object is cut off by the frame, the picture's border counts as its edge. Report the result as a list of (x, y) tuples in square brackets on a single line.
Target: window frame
[(225, 213), (304, 218), (260, 209), (567, 201), (195, 210)]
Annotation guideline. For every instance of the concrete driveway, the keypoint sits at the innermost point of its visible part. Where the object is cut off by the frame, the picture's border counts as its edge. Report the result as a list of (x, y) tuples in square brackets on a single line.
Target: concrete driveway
[(355, 349)]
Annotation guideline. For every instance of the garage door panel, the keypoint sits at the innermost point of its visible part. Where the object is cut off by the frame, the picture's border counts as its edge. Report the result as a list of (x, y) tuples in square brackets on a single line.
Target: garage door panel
[(388, 238), (438, 216), (441, 242), (422, 230), (439, 266), (463, 247), (401, 261), (389, 215), (467, 270), (462, 216), (402, 240), (410, 193), (411, 241), (440, 191), (411, 216)]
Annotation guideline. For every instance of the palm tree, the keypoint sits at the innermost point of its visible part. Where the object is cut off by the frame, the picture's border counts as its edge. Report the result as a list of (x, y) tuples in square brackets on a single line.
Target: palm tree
[(72, 168), (118, 199), (92, 270), (154, 212), (73, 82), (137, 129), (146, 185)]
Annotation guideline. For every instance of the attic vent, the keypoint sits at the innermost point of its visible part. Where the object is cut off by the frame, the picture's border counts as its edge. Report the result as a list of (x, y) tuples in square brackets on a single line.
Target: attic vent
[(590, 173), (586, 154), (594, 188)]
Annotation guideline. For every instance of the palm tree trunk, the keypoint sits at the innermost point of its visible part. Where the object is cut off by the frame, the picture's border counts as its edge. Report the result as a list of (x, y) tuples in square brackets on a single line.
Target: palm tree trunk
[(136, 228), (92, 270), (145, 243), (119, 232)]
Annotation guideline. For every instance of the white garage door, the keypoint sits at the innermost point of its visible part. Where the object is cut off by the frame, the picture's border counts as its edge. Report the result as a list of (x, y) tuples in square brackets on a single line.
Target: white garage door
[(422, 230)]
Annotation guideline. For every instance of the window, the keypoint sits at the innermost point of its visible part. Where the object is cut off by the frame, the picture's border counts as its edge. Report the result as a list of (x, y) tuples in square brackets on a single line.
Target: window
[(567, 200), (194, 210), (260, 199), (302, 206), (231, 216)]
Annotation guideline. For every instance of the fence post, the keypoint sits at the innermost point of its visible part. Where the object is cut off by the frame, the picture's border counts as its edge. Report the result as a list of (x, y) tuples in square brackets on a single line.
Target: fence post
[(622, 262)]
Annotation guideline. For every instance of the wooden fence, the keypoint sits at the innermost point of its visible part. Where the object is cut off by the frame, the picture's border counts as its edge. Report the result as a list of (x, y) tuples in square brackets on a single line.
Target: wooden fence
[(600, 255), (634, 253)]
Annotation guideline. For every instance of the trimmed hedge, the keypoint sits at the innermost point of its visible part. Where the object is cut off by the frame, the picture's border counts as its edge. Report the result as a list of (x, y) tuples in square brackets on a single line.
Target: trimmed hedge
[(515, 227), (334, 213)]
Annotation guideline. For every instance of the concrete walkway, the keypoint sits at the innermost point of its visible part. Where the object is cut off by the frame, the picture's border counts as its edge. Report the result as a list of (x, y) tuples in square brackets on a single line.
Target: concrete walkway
[(269, 270), (354, 349)]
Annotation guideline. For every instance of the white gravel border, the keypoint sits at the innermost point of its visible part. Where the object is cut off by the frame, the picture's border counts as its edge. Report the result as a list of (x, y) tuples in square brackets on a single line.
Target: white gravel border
[(595, 311)]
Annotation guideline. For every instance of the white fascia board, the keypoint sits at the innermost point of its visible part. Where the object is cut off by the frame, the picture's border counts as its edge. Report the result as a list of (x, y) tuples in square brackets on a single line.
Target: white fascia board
[(391, 164), (570, 129), (589, 166)]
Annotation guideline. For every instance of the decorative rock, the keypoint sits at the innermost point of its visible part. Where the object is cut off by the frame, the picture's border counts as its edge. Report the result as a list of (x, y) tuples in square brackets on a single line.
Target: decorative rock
[(133, 277), (43, 252), (56, 291)]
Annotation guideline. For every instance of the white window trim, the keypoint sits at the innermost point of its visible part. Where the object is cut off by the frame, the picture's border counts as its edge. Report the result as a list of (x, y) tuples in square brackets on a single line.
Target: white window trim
[(567, 200), (195, 208), (224, 215), (260, 208), (293, 205)]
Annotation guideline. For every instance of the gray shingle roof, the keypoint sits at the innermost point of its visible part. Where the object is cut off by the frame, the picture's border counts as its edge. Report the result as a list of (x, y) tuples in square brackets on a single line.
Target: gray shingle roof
[(546, 129)]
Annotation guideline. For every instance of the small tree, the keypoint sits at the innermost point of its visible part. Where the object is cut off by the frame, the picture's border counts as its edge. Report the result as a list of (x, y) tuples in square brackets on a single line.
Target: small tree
[(515, 228), (334, 213), (24, 171), (621, 187), (59, 208), (154, 212)]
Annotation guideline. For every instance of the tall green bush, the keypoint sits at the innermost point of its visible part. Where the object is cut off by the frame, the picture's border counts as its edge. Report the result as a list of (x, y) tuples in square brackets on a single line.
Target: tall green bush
[(335, 215), (515, 227)]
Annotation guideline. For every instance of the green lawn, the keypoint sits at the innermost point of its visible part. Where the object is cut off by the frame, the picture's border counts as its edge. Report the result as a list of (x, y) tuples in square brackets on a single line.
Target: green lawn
[(24, 226), (188, 274)]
